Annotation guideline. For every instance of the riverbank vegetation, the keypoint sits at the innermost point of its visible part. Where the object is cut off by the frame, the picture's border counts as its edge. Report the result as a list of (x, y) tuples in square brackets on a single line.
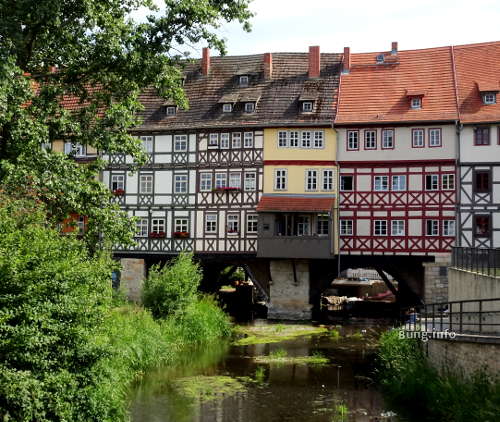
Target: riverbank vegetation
[(415, 388), (273, 333)]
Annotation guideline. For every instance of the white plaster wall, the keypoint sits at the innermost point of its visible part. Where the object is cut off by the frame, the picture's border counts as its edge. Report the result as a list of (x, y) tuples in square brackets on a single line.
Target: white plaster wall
[(403, 149), (132, 181), (163, 143), (163, 181), (470, 153)]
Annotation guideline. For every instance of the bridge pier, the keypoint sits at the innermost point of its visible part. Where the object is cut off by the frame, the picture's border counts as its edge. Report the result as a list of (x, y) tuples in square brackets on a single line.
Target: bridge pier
[(132, 277), (436, 279), (289, 290)]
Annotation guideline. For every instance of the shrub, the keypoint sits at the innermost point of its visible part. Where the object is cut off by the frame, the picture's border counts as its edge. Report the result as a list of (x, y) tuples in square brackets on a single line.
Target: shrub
[(173, 288)]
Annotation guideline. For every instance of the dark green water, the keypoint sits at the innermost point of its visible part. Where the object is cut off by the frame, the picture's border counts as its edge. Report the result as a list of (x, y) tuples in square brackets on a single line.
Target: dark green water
[(341, 390)]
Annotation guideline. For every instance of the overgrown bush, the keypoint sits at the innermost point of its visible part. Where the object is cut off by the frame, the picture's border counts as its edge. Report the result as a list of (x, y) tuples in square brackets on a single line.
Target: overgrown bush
[(415, 388), (53, 298), (172, 288)]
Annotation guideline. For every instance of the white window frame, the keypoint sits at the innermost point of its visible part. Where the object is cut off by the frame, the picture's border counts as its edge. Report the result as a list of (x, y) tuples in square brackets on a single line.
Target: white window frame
[(311, 180), (227, 108), (210, 223), (117, 182), (181, 224), (213, 140), (418, 138), (434, 227), (236, 140), (205, 182), (181, 183), (370, 139), (147, 144), (448, 181), (307, 106), (294, 138), (249, 107), (388, 138), (398, 183), (489, 98), (319, 139), (380, 228), (146, 183), (158, 225), (398, 228), (346, 227), (416, 103), (142, 227), (171, 110), (434, 182), (248, 140), (250, 181), (380, 183), (252, 223), (75, 149), (224, 140), (327, 179), (283, 139), (303, 225), (234, 180), (180, 143), (449, 228), (280, 179), (244, 80), (320, 226), (352, 140), (306, 139), (233, 224), (435, 137), (220, 180)]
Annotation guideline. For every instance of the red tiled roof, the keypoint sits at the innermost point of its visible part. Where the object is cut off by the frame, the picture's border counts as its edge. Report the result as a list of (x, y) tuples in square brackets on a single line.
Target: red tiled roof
[(295, 204), (477, 64), (373, 92)]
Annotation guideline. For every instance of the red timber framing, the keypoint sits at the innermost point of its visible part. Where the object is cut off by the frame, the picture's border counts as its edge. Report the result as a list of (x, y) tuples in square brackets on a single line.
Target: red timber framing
[(413, 205)]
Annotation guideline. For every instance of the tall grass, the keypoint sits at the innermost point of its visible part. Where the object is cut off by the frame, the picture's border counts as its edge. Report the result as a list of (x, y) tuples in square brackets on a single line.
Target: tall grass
[(140, 343), (415, 388)]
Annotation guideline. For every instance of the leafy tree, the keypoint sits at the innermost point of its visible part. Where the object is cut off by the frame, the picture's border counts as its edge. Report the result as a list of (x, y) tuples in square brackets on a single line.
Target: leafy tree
[(53, 298), (171, 289), (72, 70)]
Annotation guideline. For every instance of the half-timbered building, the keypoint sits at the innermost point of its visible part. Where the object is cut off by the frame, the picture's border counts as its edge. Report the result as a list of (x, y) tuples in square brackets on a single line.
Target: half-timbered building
[(478, 69), (397, 152)]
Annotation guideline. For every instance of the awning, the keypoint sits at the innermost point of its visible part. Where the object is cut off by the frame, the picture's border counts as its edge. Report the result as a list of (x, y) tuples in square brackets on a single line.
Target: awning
[(284, 203)]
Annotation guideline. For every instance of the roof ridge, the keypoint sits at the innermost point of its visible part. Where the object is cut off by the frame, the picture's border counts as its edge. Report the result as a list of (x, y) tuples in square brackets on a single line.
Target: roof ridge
[(479, 44)]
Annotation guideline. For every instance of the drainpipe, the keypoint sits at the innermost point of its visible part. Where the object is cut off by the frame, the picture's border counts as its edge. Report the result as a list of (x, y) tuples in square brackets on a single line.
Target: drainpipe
[(458, 216)]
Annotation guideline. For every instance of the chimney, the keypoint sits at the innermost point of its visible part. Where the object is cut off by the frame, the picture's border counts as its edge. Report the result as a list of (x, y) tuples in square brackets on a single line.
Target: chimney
[(394, 48), (314, 62), (346, 68), (205, 61), (268, 66)]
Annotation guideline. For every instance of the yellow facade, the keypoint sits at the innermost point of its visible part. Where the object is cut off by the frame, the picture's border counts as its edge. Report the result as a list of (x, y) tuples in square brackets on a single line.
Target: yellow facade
[(297, 159)]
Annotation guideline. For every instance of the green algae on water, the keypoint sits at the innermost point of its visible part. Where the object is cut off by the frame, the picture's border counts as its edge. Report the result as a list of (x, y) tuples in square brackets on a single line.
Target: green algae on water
[(314, 359), (274, 333), (208, 388)]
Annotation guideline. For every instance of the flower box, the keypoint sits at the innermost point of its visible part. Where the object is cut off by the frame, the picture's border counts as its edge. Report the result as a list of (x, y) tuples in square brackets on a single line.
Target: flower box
[(119, 192), (157, 235), (180, 235), (232, 231), (227, 189)]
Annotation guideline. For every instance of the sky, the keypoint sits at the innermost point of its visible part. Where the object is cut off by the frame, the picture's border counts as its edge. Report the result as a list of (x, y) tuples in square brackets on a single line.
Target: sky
[(363, 25)]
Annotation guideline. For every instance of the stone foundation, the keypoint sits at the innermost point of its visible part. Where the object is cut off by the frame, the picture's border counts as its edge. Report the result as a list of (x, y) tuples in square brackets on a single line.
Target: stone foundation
[(436, 279), (132, 276), (465, 357), (289, 295)]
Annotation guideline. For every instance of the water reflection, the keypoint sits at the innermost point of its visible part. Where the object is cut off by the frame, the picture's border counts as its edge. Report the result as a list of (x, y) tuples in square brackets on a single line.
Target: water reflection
[(339, 391)]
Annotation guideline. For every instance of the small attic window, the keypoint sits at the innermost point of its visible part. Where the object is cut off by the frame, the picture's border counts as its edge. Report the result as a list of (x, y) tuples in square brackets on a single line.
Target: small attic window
[(380, 58), (416, 103), (307, 106), (170, 110), (227, 108), (244, 80), (249, 107), (489, 98)]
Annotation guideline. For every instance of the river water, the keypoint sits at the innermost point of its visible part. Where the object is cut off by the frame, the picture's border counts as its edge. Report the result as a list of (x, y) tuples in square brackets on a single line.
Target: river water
[(275, 391)]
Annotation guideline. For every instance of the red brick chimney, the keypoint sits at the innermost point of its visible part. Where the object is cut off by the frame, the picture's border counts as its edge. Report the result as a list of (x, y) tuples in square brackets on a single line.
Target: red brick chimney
[(394, 48), (205, 61), (268, 66), (314, 62), (346, 67)]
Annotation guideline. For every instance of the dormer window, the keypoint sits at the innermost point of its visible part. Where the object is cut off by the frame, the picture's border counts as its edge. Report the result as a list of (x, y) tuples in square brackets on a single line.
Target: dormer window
[(489, 98), (249, 107), (227, 108), (244, 80), (171, 110), (307, 106), (416, 103)]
